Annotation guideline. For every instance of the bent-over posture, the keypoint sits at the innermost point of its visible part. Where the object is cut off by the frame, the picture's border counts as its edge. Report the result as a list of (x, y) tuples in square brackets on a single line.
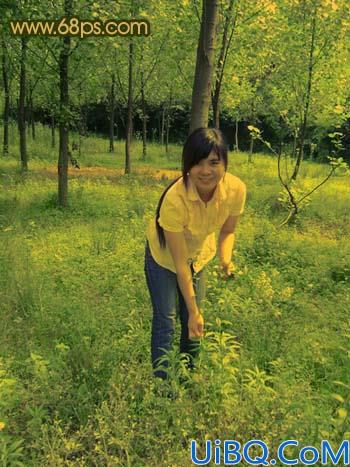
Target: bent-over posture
[(197, 211)]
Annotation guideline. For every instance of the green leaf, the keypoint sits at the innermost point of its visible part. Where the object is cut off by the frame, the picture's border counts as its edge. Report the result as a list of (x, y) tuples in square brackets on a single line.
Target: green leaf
[(342, 413), (338, 397)]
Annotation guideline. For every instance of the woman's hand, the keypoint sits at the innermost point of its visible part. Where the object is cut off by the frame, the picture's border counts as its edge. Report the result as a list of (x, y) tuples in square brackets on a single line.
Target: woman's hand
[(195, 325), (228, 269)]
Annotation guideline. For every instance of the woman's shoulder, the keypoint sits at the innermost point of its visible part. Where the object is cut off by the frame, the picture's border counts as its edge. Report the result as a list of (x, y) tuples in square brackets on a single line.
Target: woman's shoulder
[(232, 182), (175, 192), (176, 187), (172, 209)]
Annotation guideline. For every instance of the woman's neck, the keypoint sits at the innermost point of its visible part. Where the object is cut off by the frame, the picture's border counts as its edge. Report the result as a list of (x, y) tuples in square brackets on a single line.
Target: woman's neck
[(206, 196)]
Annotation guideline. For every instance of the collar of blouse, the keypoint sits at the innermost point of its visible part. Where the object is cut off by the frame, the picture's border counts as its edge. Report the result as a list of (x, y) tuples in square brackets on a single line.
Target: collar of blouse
[(219, 193)]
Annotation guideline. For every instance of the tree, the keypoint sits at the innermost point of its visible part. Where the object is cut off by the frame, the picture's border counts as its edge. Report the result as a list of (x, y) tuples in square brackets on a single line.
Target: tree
[(5, 76), (308, 82), (307, 94), (204, 65), (226, 38), (294, 197), (129, 120), (245, 62), (21, 106), (64, 113), (111, 106)]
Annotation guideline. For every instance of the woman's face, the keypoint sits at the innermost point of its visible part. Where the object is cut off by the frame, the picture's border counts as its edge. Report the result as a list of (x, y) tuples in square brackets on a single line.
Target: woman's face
[(207, 173)]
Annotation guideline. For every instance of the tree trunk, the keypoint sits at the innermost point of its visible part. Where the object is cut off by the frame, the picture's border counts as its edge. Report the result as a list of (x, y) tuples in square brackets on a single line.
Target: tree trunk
[(167, 121), (144, 118), (280, 147), (163, 126), (236, 135), (250, 154), (28, 116), (204, 65), (111, 114), (80, 139), (302, 133), (32, 116), (64, 119), (159, 130), (5, 147), (216, 108), (144, 137), (143, 108), (295, 142), (53, 139), (130, 110), (21, 106), (167, 128), (225, 44)]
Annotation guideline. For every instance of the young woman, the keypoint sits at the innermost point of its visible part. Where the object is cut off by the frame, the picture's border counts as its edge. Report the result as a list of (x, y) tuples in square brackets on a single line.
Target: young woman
[(205, 201)]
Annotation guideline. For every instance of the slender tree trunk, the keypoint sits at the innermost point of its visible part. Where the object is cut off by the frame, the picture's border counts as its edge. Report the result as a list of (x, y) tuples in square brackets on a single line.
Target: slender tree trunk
[(64, 122), (216, 106), (144, 118), (130, 110), (295, 143), (53, 139), (5, 146), (159, 129), (143, 109), (80, 139), (167, 129), (83, 123), (28, 116), (163, 126), (251, 149), (12, 132), (144, 137), (312, 148), (280, 147), (21, 106), (221, 64), (80, 125), (32, 116), (302, 134), (252, 119), (111, 114), (167, 121), (204, 65), (236, 135)]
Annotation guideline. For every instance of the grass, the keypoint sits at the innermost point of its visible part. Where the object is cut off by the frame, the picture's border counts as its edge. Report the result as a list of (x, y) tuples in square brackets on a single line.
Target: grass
[(76, 385)]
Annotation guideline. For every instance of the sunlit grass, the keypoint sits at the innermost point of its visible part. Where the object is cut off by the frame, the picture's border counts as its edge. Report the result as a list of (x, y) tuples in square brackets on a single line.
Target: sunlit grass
[(76, 386)]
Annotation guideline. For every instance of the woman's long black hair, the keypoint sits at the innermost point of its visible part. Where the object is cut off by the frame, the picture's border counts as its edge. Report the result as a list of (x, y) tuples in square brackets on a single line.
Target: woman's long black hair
[(200, 143)]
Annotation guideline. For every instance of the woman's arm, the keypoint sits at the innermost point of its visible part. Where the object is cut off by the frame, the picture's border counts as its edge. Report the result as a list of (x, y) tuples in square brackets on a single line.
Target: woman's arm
[(226, 243), (178, 249)]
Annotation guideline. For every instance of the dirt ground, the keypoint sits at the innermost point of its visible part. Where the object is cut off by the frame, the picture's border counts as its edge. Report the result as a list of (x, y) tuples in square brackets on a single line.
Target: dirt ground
[(111, 174)]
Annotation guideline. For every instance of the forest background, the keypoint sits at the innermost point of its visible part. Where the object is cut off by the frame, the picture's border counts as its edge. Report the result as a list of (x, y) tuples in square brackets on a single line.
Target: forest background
[(75, 376)]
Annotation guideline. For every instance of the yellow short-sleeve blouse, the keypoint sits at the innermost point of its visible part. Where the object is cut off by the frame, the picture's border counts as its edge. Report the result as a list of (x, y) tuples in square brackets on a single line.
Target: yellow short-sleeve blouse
[(184, 211)]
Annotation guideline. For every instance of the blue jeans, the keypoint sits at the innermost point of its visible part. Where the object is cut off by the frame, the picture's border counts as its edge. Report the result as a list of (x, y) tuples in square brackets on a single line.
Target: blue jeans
[(163, 288)]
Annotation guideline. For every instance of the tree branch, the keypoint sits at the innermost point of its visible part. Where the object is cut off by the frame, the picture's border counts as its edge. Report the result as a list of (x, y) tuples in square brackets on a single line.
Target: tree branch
[(50, 49), (318, 186), (183, 75), (197, 12), (154, 65), (121, 86)]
